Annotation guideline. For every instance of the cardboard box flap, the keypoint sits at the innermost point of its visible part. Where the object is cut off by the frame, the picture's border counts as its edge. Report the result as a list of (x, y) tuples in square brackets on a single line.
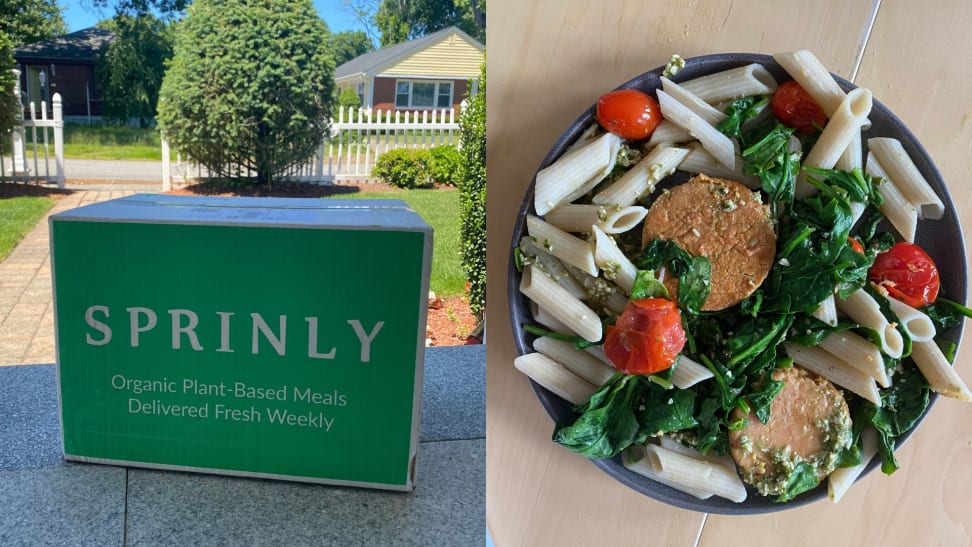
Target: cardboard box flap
[(301, 212)]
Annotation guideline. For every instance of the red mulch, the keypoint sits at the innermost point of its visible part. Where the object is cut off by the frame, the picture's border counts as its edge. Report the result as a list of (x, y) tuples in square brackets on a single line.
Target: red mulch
[(450, 323)]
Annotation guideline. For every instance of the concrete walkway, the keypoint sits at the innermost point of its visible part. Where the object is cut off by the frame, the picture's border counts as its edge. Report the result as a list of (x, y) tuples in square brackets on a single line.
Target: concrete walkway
[(26, 308)]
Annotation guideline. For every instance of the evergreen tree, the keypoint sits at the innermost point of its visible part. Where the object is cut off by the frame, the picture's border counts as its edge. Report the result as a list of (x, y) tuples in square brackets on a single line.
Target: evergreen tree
[(250, 85), (29, 21)]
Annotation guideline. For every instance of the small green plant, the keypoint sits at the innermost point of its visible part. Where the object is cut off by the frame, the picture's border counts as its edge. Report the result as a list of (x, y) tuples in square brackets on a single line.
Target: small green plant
[(404, 167), (445, 165), (349, 98)]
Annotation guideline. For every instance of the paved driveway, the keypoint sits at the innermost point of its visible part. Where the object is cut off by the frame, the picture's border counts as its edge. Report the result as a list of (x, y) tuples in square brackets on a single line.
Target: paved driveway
[(26, 307)]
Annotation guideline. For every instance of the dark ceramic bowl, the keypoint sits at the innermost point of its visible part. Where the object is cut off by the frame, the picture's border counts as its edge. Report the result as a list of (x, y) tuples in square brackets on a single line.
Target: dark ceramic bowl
[(942, 239)]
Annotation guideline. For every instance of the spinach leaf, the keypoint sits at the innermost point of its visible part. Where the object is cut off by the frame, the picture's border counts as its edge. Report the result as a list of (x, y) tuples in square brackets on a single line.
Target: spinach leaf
[(665, 411), (646, 285), (607, 424), (755, 335), (579, 343), (739, 111), (711, 433), (761, 399), (808, 331), (902, 405), (694, 272), (802, 479), (769, 158), (946, 313)]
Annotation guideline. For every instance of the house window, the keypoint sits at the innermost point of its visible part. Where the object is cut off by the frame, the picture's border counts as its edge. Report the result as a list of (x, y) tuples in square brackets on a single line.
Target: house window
[(360, 90), (423, 94)]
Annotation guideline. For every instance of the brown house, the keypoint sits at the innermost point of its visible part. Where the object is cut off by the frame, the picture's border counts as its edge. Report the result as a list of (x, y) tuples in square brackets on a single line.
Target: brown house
[(65, 65), (431, 72)]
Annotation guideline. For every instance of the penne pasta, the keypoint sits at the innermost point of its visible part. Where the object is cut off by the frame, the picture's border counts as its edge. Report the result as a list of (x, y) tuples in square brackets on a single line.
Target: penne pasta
[(668, 133), (918, 325), (836, 370), (642, 178), (863, 309), (857, 352), (847, 120), (589, 134), (601, 292), (906, 176), (583, 364), (751, 79), (804, 67), (699, 161), (842, 478), (542, 316), (827, 311), (940, 374), (611, 219), (569, 310), (687, 373), (852, 156), (553, 267), (633, 459), (555, 378), (696, 474), (568, 248), (575, 173), (720, 146), (612, 261), (895, 207), (702, 109), (598, 352)]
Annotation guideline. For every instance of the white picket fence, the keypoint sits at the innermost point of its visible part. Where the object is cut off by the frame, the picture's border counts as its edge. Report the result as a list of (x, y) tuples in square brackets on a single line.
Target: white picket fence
[(32, 161), (357, 139)]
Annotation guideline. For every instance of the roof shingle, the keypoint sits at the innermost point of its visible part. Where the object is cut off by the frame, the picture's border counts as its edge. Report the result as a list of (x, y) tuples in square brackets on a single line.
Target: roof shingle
[(376, 59), (82, 45)]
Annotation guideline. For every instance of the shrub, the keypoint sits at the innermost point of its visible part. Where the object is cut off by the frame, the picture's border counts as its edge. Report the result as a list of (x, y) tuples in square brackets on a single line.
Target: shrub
[(472, 195), (445, 165), (250, 85), (349, 98), (9, 103), (404, 167)]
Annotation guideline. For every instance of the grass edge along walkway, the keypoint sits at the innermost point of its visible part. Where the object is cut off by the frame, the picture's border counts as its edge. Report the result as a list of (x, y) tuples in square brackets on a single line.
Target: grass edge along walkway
[(439, 209), (18, 216)]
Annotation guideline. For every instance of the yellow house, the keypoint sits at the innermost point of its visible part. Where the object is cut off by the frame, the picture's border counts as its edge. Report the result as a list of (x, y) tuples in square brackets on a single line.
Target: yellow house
[(431, 72)]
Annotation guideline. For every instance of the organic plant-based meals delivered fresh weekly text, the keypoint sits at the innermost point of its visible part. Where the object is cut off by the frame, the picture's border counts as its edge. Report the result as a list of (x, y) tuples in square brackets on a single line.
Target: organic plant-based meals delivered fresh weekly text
[(728, 282)]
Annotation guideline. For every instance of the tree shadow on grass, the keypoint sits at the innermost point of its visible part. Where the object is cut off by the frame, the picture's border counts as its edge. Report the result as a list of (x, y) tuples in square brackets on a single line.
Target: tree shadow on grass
[(20, 189), (235, 187)]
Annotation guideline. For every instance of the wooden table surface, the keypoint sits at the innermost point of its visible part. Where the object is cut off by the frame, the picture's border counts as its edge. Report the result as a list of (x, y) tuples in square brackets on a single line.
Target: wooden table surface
[(549, 60)]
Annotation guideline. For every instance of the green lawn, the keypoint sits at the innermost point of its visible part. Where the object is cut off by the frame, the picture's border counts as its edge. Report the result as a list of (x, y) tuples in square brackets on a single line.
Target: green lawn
[(94, 142), (17, 217), (440, 209)]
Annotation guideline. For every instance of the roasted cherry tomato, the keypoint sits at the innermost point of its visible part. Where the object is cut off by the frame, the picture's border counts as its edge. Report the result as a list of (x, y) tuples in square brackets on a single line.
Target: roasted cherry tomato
[(855, 245), (647, 337), (908, 274), (796, 108), (629, 113)]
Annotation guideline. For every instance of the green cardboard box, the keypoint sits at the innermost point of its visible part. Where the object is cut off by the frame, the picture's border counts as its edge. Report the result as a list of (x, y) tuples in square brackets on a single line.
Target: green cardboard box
[(264, 337)]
